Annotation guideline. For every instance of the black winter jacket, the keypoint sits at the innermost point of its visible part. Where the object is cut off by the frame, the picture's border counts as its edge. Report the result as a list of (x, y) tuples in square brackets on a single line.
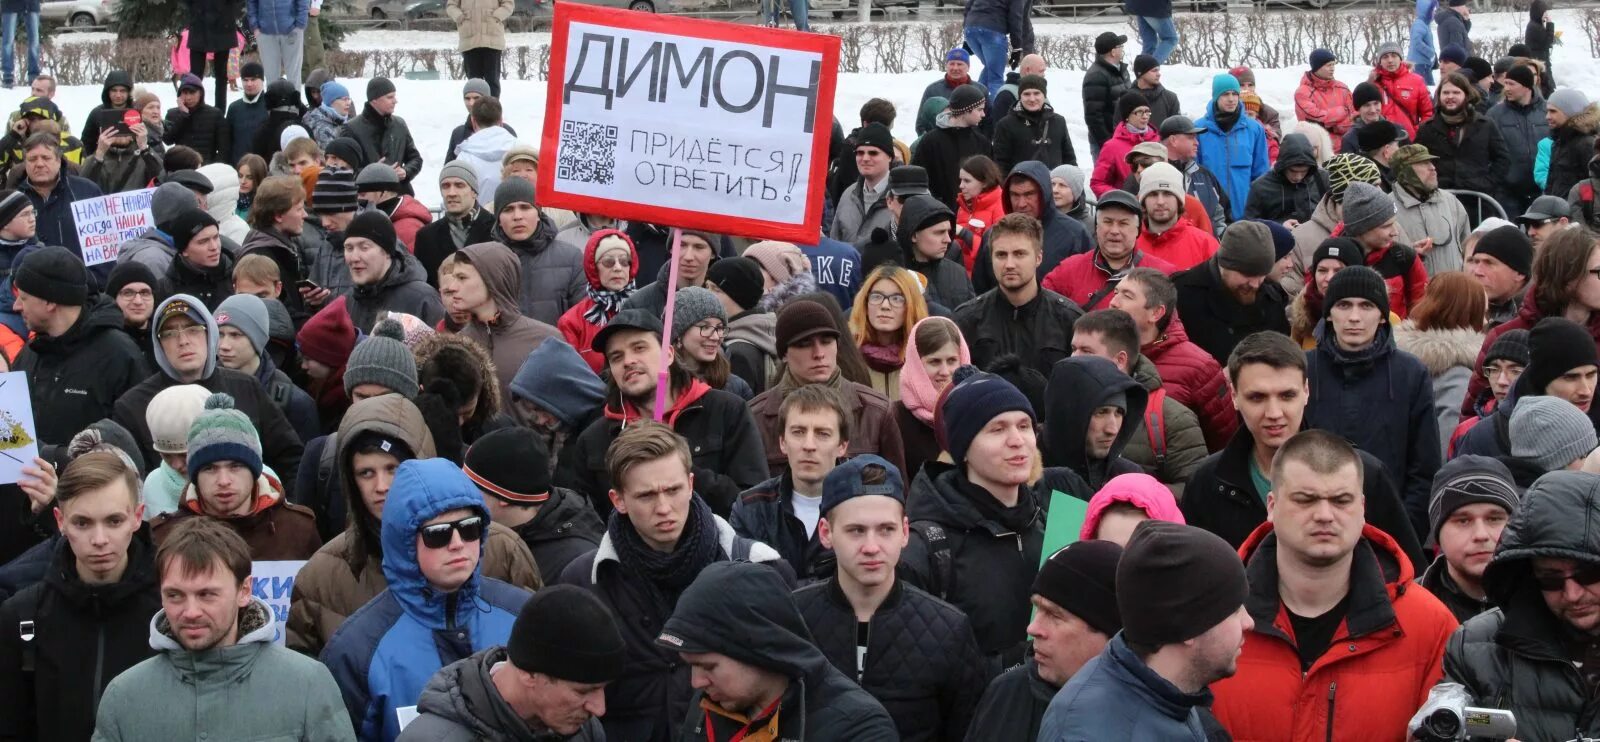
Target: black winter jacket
[(285, 251), (83, 636), (1380, 399), (565, 528), (403, 289), (1274, 198), (1039, 331), (281, 447), (947, 284), (384, 138), (941, 153), (1103, 84), (268, 139), (1077, 388), (1439, 582), (434, 243), (214, 25), (1222, 499), (1013, 705), (922, 662), (1215, 321), (765, 513), (1032, 135), (209, 286), (1521, 127), (1515, 657), (728, 455), (204, 129), (1571, 147), (91, 126), (1164, 103), (77, 378), (1472, 156)]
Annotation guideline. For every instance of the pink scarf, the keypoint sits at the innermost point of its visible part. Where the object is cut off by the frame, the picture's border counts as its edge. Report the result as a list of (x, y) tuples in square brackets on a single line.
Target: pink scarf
[(916, 389)]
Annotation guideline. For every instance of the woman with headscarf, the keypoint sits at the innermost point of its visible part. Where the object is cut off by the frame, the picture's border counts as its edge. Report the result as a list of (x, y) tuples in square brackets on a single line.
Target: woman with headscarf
[(934, 352)]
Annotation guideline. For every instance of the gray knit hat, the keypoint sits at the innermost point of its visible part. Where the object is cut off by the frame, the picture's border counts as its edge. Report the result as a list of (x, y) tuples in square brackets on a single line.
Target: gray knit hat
[(475, 85), (694, 305), (1246, 248), (462, 169), (248, 314), (1570, 101), (377, 177), (1550, 432), (514, 189), (223, 433), (280, 326), (1366, 208), (383, 359)]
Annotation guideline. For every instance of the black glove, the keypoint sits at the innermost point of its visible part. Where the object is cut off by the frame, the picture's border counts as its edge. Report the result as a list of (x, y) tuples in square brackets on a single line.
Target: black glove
[(1014, 59)]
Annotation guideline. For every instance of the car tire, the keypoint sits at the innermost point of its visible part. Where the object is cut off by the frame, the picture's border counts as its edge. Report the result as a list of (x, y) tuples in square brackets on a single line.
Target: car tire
[(643, 6), (82, 20)]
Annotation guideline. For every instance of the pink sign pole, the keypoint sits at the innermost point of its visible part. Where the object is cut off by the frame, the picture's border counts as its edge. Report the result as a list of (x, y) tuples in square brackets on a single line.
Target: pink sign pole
[(663, 379)]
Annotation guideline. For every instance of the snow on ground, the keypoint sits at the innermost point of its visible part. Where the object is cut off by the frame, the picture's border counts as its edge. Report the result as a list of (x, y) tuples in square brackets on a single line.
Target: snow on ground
[(433, 108)]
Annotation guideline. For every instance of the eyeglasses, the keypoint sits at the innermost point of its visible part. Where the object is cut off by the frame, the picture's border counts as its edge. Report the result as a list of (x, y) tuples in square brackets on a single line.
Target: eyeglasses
[(895, 300), (135, 294), (192, 332), (616, 263), (711, 331), (1585, 575), (1511, 371), (437, 536)]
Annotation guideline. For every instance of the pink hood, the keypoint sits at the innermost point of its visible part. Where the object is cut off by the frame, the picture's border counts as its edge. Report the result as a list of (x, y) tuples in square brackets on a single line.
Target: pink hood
[(1140, 490)]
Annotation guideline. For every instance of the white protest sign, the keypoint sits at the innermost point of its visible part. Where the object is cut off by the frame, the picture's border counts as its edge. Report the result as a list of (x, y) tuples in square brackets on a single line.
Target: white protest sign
[(688, 123), (273, 582), (105, 222)]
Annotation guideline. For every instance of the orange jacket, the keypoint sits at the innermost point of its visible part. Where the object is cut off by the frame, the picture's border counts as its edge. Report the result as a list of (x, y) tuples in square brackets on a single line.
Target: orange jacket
[(1384, 658)]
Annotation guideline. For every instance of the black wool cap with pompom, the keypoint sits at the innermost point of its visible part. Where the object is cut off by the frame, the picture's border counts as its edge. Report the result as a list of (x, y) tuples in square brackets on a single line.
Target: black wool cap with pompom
[(383, 359)]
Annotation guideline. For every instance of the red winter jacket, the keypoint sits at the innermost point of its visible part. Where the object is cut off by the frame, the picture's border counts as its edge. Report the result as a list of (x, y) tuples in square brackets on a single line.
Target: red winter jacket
[(985, 208), (1184, 246), (1111, 170), (1384, 657), (1527, 316), (1407, 101), (1079, 277), (580, 332), (409, 217), (1326, 103), (1195, 379), (1402, 270)]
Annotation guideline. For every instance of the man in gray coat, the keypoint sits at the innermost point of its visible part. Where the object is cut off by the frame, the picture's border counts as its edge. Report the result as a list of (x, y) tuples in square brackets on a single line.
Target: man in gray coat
[(553, 279), (547, 682), (864, 205)]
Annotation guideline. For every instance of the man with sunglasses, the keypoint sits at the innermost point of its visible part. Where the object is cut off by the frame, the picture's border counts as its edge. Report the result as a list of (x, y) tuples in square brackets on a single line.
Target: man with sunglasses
[(1544, 217), (1537, 654), (438, 607)]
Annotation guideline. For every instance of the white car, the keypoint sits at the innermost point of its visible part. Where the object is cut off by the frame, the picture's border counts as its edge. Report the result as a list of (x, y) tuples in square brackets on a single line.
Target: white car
[(79, 13)]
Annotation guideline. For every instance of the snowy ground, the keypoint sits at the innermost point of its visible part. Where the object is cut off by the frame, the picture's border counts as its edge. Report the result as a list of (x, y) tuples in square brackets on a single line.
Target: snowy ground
[(433, 108)]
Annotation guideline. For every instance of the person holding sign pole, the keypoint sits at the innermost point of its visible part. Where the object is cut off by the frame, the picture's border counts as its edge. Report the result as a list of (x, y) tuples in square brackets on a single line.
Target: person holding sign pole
[(63, 639)]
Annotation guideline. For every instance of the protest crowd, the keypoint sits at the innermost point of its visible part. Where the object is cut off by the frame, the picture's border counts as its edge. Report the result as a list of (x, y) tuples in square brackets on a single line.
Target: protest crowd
[(1211, 427)]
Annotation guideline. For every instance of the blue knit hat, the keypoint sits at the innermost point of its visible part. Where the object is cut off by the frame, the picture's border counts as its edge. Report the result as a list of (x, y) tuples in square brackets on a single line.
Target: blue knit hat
[(1224, 83), (333, 90), (222, 433), (972, 404), (958, 55)]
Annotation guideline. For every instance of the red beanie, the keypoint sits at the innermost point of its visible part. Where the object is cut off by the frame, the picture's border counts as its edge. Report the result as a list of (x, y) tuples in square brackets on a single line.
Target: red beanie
[(329, 336)]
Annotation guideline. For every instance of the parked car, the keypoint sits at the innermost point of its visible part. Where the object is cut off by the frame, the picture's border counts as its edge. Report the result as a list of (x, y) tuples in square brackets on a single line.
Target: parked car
[(78, 13)]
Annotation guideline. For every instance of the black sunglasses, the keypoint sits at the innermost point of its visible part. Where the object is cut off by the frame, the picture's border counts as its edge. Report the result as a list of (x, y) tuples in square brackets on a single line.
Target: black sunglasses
[(1585, 575), (437, 536)]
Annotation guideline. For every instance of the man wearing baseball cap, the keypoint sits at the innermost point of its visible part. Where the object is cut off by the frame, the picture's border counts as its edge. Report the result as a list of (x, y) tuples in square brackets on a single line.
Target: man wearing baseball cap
[(1074, 617), (1181, 137), (1090, 279), (548, 678), (919, 658), (1181, 594), (1105, 81), (1544, 217)]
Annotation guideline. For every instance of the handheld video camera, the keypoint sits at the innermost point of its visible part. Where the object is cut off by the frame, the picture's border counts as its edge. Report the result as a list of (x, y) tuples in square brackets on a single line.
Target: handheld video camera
[(1446, 717)]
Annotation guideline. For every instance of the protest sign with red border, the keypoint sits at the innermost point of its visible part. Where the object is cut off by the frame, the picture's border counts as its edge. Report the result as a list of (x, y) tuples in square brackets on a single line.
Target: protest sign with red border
[(688, 123)]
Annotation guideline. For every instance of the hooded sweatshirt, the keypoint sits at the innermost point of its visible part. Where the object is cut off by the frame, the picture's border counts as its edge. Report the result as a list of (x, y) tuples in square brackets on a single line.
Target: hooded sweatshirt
[(1274, 198), (510, 336), (947, 282), (484, 151), (1139, 490), (91, 126), (1078, 386), (384, 655), (743, 611)]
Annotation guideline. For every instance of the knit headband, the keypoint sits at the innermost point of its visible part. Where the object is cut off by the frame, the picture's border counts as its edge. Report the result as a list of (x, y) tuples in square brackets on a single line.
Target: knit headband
[(503, 493)]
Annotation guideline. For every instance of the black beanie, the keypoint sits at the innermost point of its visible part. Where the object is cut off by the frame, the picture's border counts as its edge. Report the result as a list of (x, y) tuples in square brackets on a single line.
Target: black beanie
[(132, 271), (378, 87), (1082, 579), (1555, 346), (1144, 63), (253, 70), (1510, 346), (1509, 245), (1358, 282), (54, 274), (565, 632), (1342, 249), (374, 225), (1128, 103), (739, 278), (1175, 582), (347, 149), (1366, 93), (875, 135), (11, 204), (1032, 82), (187, 225), (511, 465), (1522, 75)]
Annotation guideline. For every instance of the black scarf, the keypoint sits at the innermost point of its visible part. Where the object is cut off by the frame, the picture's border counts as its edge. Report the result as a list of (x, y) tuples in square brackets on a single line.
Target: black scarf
[(1019, 517), (672, 572), (1226, 119)]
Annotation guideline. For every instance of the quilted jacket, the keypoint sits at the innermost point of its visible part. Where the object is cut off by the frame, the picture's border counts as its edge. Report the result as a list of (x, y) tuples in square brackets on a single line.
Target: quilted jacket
[(1195, 379)]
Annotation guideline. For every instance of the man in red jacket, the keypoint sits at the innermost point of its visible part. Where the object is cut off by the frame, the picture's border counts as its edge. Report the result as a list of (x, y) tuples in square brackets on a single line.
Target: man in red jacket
[(1408, 101), (1167, 235), (1188, 372), (1091, 278), (1344, 646)]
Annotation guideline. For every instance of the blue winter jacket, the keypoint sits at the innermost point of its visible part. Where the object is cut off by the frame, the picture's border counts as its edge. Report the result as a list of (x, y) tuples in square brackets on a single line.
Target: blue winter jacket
[(1117, 696), (277, 17), (1422, 53), (837, 266), (1237, 157), (384, 654)]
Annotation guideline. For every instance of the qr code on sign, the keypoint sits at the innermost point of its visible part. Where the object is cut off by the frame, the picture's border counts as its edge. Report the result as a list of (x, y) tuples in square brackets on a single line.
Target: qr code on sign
[(588, 152)]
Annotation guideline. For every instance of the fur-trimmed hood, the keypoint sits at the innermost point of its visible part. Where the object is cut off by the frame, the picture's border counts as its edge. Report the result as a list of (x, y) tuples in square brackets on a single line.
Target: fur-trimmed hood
[(1439, 350), (449, 353), (1587, 121)]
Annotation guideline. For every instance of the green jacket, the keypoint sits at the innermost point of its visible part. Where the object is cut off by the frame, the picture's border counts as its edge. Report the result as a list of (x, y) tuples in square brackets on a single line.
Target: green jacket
[(250, 690)]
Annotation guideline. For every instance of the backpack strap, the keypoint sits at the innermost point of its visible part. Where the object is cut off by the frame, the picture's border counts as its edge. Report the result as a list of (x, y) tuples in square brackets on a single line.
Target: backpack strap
[(26, 610), (1155, 425), (939, 556), (327, 468)]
